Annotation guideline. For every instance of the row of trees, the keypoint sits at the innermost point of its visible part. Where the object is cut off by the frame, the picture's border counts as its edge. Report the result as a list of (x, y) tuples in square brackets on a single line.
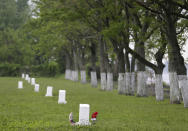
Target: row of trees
[(117, 37), (108, 29)]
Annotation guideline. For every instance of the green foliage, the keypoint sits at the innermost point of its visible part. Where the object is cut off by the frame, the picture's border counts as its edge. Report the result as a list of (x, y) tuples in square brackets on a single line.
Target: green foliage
[(52, 68), (27, 110), (13, 46), (7, 69)]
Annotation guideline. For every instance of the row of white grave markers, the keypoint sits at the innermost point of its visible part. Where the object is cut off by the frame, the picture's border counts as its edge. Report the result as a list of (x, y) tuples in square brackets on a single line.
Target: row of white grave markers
[(62, 95), (83, 110), (29, 80)]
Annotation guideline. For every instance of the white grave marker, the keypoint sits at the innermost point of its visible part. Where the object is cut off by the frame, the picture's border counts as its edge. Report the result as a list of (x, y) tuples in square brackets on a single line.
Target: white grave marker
[(20, 84), (49, 91), (36, 87), (32, 81), (84, 114), (26, 77), (23, 75), (62, 96)]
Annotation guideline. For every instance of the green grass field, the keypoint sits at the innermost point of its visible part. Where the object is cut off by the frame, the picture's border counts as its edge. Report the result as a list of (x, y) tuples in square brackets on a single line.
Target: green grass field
[(24, 109)]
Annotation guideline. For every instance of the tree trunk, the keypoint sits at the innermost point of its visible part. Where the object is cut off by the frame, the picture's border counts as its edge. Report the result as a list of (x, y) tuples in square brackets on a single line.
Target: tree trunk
[(103, 81), (141, 84), (72, 75), (174, 89), (127, 62), (183, 84), (141, 75), (121, 83), (68, 66), (176, 61), (127, 75), (110, 81), (127, 83), (93, 64), (132, 64), (94, 79), (159, 87), (102, 64), (121, 74), (83, 76), (141, 52), (133, 83), (75, 72), (133, 76), (81, 56), (110, 84)]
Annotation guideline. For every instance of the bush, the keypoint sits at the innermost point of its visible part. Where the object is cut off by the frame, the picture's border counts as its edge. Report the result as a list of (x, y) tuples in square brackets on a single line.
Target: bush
[(7, 69), (47, 69), (52, 68)]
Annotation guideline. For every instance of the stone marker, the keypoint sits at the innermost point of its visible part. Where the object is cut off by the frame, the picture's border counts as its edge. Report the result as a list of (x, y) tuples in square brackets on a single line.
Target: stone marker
[(28, 79), (23, 75), (36, 87), (49, 91), (20, 84), (32, 81), (62, 96), (84, 114)]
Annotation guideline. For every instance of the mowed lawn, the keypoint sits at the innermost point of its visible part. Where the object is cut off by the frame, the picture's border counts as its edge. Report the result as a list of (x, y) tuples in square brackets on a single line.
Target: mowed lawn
[(24, 109)]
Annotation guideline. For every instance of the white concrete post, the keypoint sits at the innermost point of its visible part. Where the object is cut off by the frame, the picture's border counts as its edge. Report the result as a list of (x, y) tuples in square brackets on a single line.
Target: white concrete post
[(62, 96), (84, 114), (20, 84), (23, 75), (26, 77), (32, 81), (49, 91), (37, 87)]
